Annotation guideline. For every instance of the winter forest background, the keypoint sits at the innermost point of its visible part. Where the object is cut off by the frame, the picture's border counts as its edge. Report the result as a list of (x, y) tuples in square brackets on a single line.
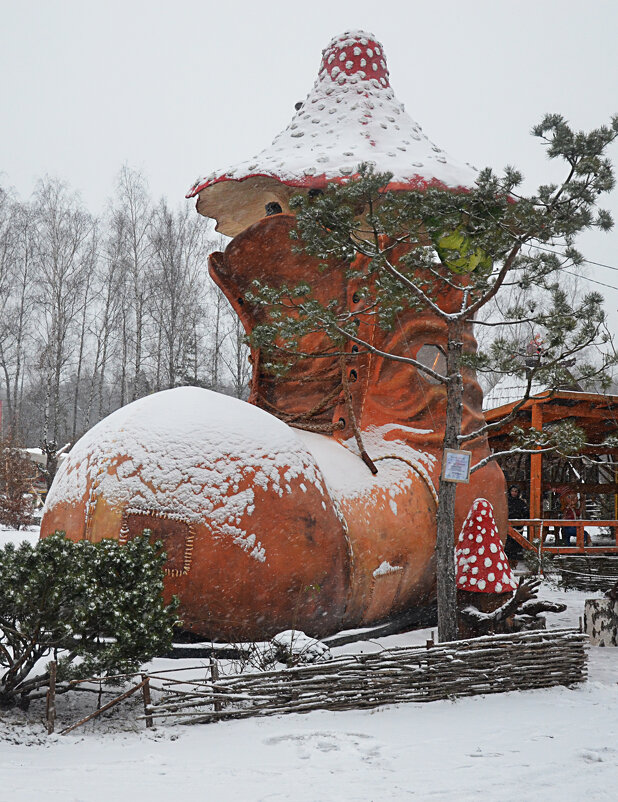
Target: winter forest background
[(96, 312)]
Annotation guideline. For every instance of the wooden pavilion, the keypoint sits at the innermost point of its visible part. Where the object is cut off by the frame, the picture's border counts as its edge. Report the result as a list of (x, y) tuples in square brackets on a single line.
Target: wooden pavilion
[(546, 478)]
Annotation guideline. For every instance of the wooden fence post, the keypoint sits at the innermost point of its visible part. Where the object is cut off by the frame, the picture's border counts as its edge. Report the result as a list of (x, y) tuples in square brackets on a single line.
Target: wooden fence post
[(51, 698), (147, 699), (214, 675)]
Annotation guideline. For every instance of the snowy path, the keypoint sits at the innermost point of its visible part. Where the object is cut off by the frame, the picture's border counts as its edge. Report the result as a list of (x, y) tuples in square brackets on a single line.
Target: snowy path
[(541, 745), (555, 744)]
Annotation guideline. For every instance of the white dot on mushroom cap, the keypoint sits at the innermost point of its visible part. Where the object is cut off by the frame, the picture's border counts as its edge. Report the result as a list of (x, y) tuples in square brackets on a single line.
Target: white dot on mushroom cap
[(370, 52), (462, 579), (363, 63), (487, 562), (481, 584), (473, 580), (475, 570), (498, 587), (478, 517), (499, 566), (466, 551), (357, 51), (342, 56), (374, 67), (461, 537), (491, 577), (482, 550), (493, 547), (470, 537), (473, 558), (479, 538)]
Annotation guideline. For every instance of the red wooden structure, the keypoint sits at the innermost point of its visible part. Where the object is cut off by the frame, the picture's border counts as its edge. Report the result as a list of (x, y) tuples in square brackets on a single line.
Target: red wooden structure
[(593, 477)]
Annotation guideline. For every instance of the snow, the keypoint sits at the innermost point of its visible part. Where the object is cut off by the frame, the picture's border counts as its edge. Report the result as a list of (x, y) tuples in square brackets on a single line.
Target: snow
[(347, 476), (386, 568), (539, 746), (508, 390), (194, 454), (187, 451), (350, 116)]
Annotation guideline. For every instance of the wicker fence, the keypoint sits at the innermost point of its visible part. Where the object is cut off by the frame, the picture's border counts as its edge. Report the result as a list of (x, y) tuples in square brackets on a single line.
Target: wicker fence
[(490, 664), (590, 572)]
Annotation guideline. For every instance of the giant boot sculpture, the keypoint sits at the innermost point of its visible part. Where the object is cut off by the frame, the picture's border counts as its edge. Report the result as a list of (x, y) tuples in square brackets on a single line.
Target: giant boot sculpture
[(269, 511), (267, 525)]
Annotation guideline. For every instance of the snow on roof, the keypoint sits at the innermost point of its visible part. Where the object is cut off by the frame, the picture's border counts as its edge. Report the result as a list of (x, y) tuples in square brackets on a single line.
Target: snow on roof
[(508, 390), (350, 116), (481, 564)]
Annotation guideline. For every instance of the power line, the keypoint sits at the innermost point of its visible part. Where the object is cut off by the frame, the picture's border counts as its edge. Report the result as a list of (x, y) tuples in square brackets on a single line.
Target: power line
[(587, 261), (594, 281)]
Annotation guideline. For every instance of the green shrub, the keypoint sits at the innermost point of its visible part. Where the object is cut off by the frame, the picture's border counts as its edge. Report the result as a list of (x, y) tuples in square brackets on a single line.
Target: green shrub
[(95, 608)]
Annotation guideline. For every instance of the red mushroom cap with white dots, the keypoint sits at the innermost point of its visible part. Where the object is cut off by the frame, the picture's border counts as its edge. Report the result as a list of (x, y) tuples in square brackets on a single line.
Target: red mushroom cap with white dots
[(480, 562), (350, 116)]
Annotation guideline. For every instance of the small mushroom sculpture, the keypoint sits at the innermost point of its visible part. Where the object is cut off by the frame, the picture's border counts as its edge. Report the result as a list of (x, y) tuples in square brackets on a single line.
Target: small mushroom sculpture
[(489, 598)]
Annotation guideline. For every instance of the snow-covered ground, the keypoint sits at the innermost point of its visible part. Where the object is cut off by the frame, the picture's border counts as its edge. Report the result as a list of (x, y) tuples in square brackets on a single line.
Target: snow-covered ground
[(556, 744)]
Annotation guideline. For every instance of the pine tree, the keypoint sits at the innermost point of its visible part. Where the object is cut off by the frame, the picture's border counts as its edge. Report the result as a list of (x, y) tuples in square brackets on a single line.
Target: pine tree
[(423, 247), (95, 608)]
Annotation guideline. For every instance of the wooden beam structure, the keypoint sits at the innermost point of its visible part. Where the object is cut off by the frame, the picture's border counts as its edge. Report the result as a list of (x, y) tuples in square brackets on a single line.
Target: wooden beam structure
[(597, 415)]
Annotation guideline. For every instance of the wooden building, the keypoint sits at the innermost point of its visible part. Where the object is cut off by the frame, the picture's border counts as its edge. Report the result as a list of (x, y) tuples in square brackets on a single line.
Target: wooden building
[(549, 481)]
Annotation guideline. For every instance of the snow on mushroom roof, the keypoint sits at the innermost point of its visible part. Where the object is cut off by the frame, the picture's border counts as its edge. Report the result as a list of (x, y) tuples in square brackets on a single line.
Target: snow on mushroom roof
[(350, 116)]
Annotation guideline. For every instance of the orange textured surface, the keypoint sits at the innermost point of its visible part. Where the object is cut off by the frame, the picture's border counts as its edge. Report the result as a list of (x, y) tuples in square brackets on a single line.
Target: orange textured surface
[(333, 559)]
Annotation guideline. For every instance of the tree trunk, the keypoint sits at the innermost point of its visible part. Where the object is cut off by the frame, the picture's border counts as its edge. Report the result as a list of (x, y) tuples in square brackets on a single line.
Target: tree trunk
[(445, 536)]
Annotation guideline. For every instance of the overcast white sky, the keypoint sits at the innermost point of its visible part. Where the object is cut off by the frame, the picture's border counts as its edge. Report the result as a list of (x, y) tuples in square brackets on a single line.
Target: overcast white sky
[(179, 89)]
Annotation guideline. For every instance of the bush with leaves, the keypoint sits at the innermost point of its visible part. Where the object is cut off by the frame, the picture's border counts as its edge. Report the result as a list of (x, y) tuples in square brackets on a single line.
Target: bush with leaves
[(95, 608), (17, 474)]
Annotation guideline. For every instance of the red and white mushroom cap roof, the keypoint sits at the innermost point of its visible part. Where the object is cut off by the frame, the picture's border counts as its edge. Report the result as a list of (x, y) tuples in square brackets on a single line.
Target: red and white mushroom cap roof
[(350, 116), (480, 562)]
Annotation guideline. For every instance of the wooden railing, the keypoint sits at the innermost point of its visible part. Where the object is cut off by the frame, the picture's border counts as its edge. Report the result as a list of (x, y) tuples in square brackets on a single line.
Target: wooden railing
[(537, 529)]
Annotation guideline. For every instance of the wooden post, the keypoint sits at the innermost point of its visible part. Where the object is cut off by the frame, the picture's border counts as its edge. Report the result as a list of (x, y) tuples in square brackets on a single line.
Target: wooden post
[(109, 705), (580, 536), (214, 675), (147, 699), (536, 470), (51, 698)]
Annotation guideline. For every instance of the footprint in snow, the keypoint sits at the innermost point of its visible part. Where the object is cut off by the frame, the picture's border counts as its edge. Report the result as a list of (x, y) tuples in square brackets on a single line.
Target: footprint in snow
[(325, 742), (599, 755)]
